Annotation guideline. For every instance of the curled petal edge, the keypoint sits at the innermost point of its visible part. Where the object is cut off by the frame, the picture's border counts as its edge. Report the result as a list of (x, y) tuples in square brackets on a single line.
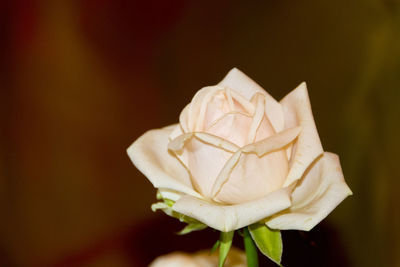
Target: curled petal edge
[(227, 218), (150, 155), (297, 111), (322, 189), (260, 148)]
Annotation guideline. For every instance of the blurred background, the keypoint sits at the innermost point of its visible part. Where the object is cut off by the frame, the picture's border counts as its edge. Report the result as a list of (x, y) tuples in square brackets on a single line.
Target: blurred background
[(81, 80)]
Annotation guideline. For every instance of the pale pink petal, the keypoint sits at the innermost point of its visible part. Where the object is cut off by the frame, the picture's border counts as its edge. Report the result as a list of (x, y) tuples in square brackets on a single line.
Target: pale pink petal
[(149, 153), (233, 127), (297, 111), (184, 119), (198, 106), (273, 142), (178, 143), (176, 132), (225, 173), (258, 118), (256, 173), (245, 86), (316, 195), (204, 161), (232, 217), (254, 177)]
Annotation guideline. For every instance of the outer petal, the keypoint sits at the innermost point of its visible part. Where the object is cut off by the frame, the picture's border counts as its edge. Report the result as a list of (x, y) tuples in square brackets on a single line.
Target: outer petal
[(297, 112), (320, 191), (239, 82), (232, 217), (149, 153)]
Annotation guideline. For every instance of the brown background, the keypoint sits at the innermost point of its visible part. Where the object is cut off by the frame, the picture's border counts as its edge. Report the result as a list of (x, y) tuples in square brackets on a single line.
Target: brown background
[(81, 80)]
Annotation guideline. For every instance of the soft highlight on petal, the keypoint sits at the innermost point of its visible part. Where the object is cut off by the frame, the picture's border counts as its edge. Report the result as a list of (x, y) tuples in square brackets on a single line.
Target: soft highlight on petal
[(316, 195), (260, 171), (273, 142), (297, 111), (149, 153), (232, 217), (245, 86)]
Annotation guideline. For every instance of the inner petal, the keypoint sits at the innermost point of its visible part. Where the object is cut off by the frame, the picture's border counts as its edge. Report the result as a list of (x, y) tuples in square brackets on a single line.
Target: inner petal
[(254, 177), (204, 161), (233, 127)]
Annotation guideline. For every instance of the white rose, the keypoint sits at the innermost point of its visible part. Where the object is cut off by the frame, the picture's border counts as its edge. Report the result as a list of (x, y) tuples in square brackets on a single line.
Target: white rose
[(236, 258), (238, 157)]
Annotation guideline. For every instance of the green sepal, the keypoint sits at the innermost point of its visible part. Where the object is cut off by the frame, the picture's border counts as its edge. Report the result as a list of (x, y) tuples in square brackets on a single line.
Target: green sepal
[(215, 246), (166, 207), (268, 241), (192, 227), (224, 247), (250, 248)]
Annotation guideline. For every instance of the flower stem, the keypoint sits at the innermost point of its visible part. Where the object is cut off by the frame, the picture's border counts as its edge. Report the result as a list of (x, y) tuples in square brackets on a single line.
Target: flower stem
[(251, 250)]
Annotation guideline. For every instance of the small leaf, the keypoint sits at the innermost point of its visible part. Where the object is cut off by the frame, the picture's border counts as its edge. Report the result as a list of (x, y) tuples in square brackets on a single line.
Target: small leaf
[(251, 250), (268, 241), (215, 246), (225, 245), (192, 227)]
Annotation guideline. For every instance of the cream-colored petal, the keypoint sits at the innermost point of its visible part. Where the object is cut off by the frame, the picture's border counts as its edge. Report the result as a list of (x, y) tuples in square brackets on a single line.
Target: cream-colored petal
[(297, 111), (316, 195), (258, 117), (232, 217), (204, 161), (273, 142), (224, 173), (253, 177), (245, 86), (176, 132), (261, 170), (198, 107), (184, 119), (233, 127), (178, 143), (169, 194), (149, 153)]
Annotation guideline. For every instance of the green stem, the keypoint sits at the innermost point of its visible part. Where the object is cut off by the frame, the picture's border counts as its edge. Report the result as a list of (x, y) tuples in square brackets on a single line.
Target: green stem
[(251, 250)]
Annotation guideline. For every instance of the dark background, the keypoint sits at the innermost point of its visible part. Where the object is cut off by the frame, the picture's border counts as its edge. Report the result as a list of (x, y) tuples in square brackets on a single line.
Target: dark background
[(81, 80)]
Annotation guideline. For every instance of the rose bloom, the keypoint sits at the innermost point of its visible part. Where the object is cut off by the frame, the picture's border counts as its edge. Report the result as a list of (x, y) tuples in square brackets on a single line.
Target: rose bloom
[(237, 156), (236, 258)]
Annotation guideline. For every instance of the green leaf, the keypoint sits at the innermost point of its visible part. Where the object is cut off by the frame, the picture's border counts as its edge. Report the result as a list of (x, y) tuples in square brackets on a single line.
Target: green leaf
[(268, 241), (225, 245), (251, 250), (215, 246), (192, 227)]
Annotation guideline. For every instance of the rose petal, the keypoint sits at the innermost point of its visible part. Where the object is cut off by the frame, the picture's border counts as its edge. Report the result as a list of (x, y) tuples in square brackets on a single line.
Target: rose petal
[(273, 142), (198, 105), (258, 117), (245, 86), (297, 111), (178, 143), (176, 132), (252, 176), (149, 153), (232, 217), (204, 161), (317, 194), (169, 194), (233, 127)]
